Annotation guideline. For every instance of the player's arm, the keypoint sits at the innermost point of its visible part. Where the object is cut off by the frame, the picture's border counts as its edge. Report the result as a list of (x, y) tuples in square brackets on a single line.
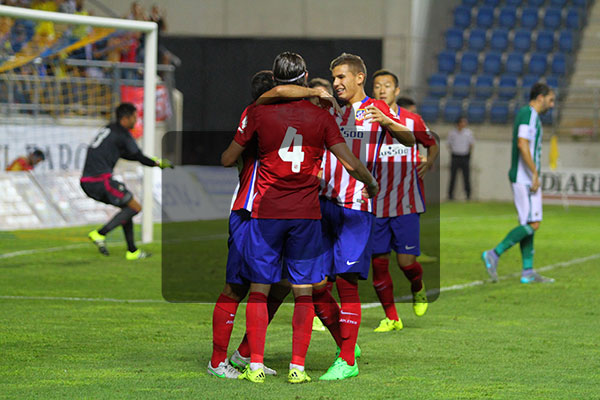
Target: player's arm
[(231, 155), (355, 168), (133, 153), (243, 136), (295, 92), (523, 145), (398, 131), (424, 136)]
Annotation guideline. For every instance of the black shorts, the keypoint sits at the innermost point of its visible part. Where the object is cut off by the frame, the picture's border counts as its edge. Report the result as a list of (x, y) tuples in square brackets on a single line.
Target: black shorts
[(105, 189)]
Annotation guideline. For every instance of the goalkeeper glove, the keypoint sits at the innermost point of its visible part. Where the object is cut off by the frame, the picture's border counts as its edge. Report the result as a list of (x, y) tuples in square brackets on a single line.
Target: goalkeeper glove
[(163, 163)]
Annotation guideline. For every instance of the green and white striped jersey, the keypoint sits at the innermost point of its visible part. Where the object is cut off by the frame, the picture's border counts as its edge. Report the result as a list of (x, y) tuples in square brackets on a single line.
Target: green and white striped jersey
[(527, 126)]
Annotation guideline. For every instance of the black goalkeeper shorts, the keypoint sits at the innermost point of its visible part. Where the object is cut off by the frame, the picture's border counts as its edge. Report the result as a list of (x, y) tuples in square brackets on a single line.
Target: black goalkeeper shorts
[(105, 189)]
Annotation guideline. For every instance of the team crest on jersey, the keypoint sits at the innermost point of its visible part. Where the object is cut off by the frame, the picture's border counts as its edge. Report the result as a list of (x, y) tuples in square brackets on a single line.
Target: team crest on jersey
[(360, 114)]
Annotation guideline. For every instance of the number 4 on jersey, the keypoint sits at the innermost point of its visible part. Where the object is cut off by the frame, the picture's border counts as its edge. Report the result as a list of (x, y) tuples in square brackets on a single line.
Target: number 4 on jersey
[(296, 155)]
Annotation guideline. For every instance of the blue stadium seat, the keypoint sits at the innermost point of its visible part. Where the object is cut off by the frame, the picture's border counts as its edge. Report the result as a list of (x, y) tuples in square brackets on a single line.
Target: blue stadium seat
[(508, 17), (507, 87), (515, 64), (574, 19), (477, 39), (552, 18), (499, 112), (528, 82), (438, 85), (492, 64), (484, 86), (452, 110), (447, 61), (548, 117), (485, 17), (491, 3), (535, 3), (470, 3), (476, 111), (499, 40), (545, 41), (462, 17), (559, 64), (553, 81), (522, 41), (580, 3), (513, 3), (430, 109), (558, 3), (529, 18), (469, 62), (566, 42), (538, 64), (461, 86), (454, 39)]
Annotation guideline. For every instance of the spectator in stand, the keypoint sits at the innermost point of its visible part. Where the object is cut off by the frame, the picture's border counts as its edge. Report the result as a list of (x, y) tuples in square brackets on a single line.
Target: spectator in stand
[(159, 16), (28, 162)]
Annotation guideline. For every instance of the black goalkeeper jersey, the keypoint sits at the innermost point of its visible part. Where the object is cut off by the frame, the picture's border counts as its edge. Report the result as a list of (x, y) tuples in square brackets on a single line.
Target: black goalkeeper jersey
[(112, 142)]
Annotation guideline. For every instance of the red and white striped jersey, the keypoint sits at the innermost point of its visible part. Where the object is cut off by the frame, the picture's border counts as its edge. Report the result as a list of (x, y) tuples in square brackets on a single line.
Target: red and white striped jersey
[(244, 192), (400, 189), (364, 140)]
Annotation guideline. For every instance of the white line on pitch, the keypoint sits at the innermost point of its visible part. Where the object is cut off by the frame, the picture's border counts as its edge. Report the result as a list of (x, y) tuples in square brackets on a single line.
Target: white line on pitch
[(107, 300)]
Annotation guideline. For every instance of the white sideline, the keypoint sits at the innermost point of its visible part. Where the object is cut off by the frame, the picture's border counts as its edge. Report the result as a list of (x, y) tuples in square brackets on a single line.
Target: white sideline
[(364, 306)]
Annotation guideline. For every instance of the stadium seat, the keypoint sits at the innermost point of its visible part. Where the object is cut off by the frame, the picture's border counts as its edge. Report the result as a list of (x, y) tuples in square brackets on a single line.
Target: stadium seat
[(553, 81), (477, 39), (529, 18), (484, 86), (430, 109), (499, 112), (485, 17), (507, 87), (580, 3), (438, 85), (522, 41), (461, 86), (476, 111), (469, 62), (492, 63), (499, 40), (545, 41), (535, 3), (513, 3), (552, 18), (491, 3), (566, 42), (514, 64), (470, 3), (447, 61), (528, 82), (574, 19), (454, 39), (558, 3), (538, 64), (548, 117), (462, 17), (559, 64), (452, 110), (508, 17)]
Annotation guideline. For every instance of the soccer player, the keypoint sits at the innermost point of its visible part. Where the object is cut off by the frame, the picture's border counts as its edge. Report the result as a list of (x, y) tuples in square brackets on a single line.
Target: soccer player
[(28, 162), (285, 215), (398, 205), (524, 176), (114, 141)]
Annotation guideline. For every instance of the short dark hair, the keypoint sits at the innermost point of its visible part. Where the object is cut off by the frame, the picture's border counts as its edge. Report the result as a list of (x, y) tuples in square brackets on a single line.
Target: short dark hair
[(262, 82), (404, 102), (355, 63), (289, 68), (39, 154), (321, 82), (539, 89), (383, 72), (125, 110), (460, 118)]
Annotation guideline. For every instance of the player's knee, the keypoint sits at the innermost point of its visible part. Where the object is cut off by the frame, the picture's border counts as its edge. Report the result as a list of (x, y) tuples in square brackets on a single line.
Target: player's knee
[(535, 225), (319, 285), (235, 291)]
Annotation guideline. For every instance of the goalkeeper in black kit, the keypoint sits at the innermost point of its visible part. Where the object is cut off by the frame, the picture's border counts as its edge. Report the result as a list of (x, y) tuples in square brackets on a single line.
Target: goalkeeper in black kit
[(114, 141)]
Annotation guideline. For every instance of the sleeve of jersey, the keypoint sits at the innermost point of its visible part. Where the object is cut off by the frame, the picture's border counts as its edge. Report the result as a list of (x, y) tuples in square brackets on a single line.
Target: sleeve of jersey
[(333, 135), (246, 128), (422, 134), (387, 111), (525, 131)]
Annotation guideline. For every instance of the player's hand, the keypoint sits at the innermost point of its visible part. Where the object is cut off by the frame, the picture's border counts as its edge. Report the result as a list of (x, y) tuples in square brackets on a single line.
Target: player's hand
[(326, 100), (163, 163), (535, 183), (374, 114), (423, 168), (371, 190)]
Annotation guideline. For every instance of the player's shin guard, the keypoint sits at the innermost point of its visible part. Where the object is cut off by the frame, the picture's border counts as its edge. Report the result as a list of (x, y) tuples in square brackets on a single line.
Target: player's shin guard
[(384, 287), (414, 273), (328, 311), (302, 328), (128, 231), (121, 218), (350, 316), (273, 304), (527, 252), (515, 236), (257, 318), (223, 316)]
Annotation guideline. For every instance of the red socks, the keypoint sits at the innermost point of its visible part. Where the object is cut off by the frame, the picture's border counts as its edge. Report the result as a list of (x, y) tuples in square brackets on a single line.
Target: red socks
[(384, 287), (302, 328), (273, 304), (414, 273), (350, 315), (223, 316), (257, 319), (328, 311)]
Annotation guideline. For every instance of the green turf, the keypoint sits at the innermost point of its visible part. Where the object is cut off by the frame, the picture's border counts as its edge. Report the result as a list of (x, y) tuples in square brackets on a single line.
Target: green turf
[(503, 340)]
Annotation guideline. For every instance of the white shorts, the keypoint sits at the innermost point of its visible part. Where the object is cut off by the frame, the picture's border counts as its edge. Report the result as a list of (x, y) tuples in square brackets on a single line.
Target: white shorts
[(529, 205)]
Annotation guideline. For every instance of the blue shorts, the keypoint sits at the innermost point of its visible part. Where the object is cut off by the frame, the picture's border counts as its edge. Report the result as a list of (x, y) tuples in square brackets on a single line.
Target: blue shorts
[(346, 236), (239, 223), (293, 245), (399, 233)]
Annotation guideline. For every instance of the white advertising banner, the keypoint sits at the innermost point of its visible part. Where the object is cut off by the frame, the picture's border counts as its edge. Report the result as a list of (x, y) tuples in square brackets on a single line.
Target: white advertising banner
[(577, 186)]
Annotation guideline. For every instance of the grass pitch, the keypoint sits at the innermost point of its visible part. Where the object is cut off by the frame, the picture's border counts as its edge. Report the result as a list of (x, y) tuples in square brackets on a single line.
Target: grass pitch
[(67, 331)]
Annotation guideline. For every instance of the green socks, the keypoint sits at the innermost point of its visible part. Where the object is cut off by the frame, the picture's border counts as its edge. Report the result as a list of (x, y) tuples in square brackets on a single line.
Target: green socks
[(527, 252), (515, 236)]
